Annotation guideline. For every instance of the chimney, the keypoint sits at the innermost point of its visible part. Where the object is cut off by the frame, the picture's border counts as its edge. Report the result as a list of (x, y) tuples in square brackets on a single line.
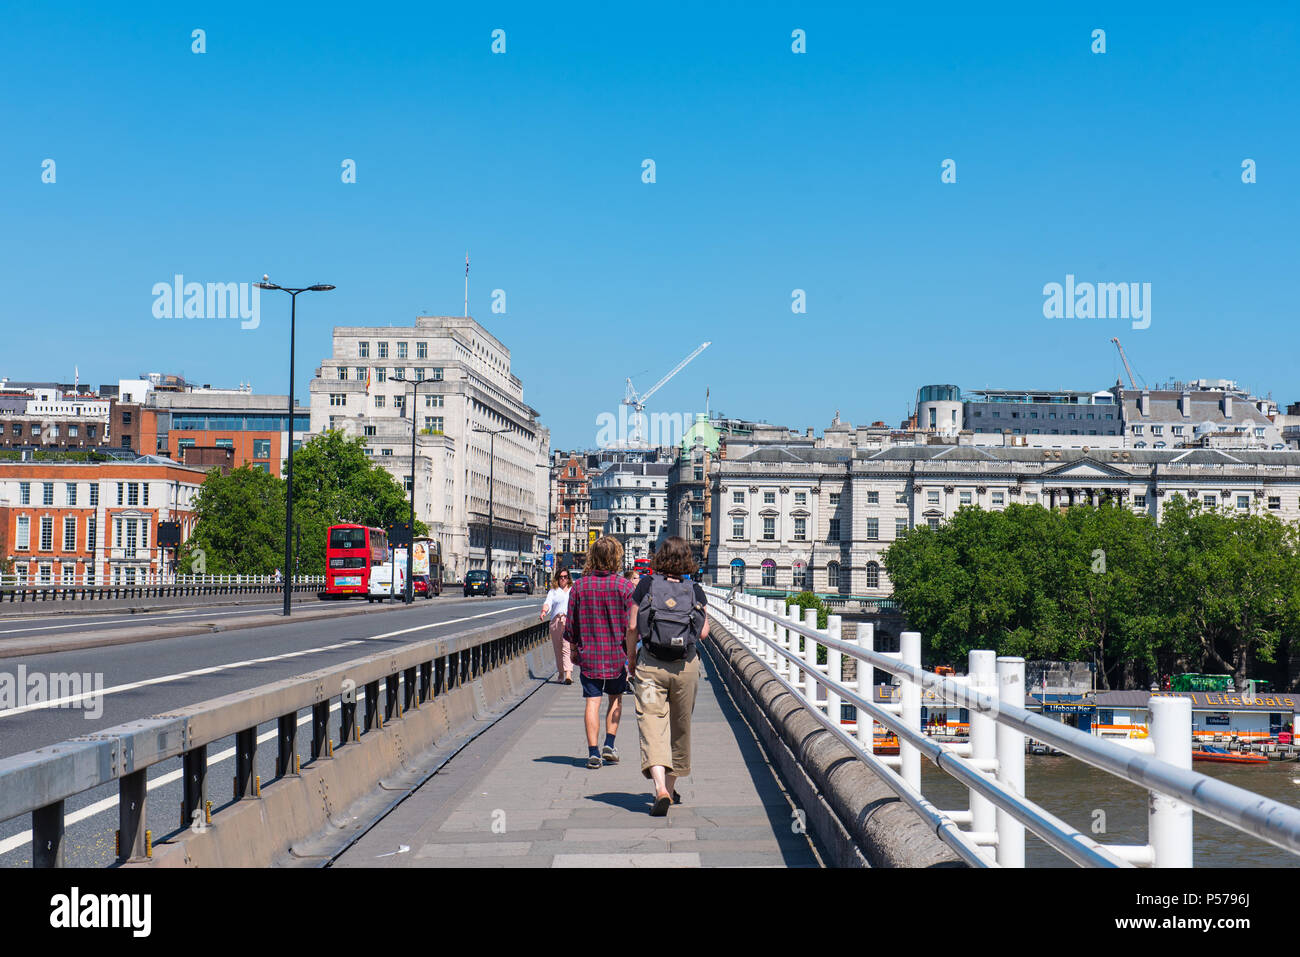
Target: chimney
[(1144, 403), (1227, 406), (1185, 404)]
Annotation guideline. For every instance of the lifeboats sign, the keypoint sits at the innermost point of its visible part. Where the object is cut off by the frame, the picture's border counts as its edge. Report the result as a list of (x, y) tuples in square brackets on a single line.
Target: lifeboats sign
[(1215, 701)]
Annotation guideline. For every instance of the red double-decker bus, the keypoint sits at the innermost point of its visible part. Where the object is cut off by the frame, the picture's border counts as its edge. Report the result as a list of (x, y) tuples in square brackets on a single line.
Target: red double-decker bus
[(351, 551)]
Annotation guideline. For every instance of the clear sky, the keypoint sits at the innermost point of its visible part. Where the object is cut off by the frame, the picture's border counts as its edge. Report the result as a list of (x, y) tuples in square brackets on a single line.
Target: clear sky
[(775, 171)]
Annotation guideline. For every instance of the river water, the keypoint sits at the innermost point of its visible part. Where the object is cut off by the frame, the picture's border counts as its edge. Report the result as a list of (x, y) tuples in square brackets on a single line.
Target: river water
[(1076, 792)]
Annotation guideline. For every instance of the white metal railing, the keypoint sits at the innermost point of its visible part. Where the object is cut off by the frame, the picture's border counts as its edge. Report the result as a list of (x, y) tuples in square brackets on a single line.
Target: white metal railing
[(992, 763)]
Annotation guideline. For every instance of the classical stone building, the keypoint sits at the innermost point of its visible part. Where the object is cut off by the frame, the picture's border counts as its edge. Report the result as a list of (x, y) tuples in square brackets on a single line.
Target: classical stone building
[(474, 432), (794, 517)]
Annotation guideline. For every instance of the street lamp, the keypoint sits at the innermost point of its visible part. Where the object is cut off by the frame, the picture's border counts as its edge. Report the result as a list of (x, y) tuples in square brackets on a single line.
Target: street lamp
[(410, 546), (492, 462), (288, 493)]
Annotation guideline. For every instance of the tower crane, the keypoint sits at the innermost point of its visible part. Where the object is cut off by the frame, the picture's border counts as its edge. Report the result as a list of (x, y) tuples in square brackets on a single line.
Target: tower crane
[(1124, 359), (638, 400)]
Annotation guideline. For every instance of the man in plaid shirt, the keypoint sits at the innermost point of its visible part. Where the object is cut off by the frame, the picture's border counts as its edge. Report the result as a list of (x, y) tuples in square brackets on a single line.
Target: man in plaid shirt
[(596, 626)]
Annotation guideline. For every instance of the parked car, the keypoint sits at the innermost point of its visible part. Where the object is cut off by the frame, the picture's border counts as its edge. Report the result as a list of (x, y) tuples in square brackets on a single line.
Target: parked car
[(480, 583), (520, 583), (423, 586)]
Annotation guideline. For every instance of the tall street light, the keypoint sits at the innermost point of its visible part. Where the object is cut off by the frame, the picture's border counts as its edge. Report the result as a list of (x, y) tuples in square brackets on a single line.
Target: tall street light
[(492, 463), (410, 546), (288, 493), (549, 544)]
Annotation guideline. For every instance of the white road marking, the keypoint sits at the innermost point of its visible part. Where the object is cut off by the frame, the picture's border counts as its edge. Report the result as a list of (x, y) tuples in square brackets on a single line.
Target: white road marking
[(164, 679), (144, 618)]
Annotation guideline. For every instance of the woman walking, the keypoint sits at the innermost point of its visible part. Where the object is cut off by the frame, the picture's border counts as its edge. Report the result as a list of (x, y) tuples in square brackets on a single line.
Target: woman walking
[(557, 606), (668, 616)]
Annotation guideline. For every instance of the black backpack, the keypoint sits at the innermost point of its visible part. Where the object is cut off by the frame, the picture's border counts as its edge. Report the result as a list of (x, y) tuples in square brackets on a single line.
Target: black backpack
[(669, 620)]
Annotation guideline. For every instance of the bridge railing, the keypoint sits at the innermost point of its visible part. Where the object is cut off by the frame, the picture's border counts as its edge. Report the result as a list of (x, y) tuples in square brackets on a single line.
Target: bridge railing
[(86, 588), (992, 764), (40, 782)]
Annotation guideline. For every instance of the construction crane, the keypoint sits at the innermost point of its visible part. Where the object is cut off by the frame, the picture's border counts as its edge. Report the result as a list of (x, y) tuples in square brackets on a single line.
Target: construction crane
[(1124, 359), (638, 401)]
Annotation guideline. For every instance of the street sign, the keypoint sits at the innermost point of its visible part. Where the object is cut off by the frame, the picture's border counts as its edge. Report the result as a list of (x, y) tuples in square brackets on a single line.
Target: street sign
[(550, 560)]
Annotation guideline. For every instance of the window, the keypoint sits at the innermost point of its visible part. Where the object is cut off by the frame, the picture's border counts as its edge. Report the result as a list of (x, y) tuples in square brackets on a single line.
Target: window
[(47, 493), (399, 403), (999, 498), (69, 574), (1137, 430), (69, 534), (23, 534), (873, 575), (835, 498), (433, 423), (437, 375), (1157, 430), (379, 401), (1177, 429), (834, 533), (965, 498), (421, 350), (769, 498), (873, 498), (900, 527), (900, 498), (126, 417), (70, 493), (343, 373), (362, 373), (92, 531), (381, 374), (738, 498), (933, 523), (769, 529), (873, 529), (1140, 501), (1210, 501), (74, 431), (385, 451), (1243, 501), (737, 526), (47, 576), (94, 493), (769, 573), (363, 350), (24, 493), (1275, 502), (737, 571), (133, 492), (932, 496), (261, 448), (833, 575), (401, 350), (383, 350), (36, 430), (144, 498), (368, 429), (800, 529), (337, 399), (47, 533), (801, 498)]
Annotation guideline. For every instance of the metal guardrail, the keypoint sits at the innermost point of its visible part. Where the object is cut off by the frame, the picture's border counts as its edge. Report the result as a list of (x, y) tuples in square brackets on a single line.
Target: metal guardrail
[(14, 591), (992, 764), (40, 782)]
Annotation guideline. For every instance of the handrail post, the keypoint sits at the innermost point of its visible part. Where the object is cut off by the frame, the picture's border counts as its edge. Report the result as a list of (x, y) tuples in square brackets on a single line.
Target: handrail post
[(810, 658), (834, 666), (48, 835), (795, 674), (1169, 821), (866, 681), (910, 647), (982, 667), (132, 806), (1011, 762), (773, 633)]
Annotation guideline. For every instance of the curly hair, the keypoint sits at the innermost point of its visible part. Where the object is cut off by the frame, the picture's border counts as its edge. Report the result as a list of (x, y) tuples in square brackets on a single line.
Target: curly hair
[(605, 555), (674, 558)]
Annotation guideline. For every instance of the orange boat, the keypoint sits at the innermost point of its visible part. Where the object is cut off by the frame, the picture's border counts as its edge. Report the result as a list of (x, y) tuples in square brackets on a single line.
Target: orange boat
[(1208, 752)]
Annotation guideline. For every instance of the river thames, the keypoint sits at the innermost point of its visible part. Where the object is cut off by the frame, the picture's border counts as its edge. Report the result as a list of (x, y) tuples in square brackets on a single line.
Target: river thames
[(1076, 792)]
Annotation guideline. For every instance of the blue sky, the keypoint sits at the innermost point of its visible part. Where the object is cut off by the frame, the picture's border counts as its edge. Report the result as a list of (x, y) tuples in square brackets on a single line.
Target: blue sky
[(775, 171)]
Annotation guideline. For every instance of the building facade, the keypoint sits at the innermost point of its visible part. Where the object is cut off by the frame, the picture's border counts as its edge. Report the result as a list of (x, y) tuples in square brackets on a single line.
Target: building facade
[(78, 523), (570, 508), (634, 499), (480, 450)]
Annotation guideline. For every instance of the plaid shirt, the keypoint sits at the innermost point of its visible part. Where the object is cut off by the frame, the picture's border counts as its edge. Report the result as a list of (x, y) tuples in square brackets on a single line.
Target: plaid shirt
[(597, 623)]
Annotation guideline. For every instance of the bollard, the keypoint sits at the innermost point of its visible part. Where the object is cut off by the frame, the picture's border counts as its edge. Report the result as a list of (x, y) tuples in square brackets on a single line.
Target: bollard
[(1169, 821), (982, 667), (910, 763), (866, 680), (1011, 762), (834, 667)]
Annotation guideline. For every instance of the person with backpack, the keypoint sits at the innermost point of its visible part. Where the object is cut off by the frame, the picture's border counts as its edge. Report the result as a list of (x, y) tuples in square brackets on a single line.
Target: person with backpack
[(594, 626), (669, 619)]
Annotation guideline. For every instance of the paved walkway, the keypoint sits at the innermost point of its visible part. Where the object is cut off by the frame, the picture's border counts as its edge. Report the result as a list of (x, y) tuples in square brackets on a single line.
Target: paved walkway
[(521, 796)]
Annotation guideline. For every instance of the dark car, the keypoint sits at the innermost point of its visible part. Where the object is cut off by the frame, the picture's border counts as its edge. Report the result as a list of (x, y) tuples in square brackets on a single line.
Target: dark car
[(520, 583), (424, 587), (479, 583)]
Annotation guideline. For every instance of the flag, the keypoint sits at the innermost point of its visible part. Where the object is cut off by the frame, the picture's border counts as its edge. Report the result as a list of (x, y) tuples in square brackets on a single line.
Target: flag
[(367, 379)]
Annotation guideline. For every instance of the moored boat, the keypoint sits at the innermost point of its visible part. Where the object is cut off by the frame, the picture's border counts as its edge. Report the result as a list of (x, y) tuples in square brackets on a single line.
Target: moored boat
[(1208, 752)]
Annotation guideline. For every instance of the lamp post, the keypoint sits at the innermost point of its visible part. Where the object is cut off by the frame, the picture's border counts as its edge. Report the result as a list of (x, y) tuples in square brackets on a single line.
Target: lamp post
[(288, 492), (492, 462), (550, 474), (410, 546)]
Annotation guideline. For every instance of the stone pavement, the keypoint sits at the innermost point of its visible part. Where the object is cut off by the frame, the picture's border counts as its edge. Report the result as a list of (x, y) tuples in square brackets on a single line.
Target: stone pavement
[(521, 795)]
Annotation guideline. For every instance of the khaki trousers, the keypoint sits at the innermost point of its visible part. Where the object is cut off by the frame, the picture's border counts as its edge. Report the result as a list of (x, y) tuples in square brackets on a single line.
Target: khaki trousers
[(665, 700), (562, 664)]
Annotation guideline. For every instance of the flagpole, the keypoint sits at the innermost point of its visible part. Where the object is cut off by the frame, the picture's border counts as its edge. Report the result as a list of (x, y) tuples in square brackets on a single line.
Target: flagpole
[(467, 284)]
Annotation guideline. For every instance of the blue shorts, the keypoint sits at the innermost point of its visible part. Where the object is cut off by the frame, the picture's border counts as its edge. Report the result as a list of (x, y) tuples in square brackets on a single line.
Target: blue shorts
[(595, 687)]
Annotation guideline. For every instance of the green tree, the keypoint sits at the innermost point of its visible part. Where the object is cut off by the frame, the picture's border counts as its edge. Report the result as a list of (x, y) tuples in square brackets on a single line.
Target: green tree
[(239, 526)]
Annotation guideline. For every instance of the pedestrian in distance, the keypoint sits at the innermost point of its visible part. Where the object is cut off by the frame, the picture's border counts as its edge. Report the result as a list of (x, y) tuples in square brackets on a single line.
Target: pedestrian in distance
[(557, 606), (668, 617), (594, 627)]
